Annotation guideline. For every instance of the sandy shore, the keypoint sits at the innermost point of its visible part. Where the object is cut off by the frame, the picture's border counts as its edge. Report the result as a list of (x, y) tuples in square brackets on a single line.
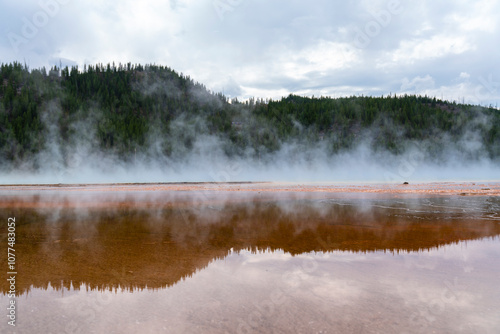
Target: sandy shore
[(435, 188)]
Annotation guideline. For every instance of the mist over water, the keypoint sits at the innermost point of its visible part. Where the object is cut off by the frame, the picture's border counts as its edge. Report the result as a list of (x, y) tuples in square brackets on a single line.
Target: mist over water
[(206, 162), (153, 234), (190, 148), (116, 259), (335, 170)]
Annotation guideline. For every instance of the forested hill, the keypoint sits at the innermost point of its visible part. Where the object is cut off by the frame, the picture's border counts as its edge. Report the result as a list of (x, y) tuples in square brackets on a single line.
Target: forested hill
[(125, 109)]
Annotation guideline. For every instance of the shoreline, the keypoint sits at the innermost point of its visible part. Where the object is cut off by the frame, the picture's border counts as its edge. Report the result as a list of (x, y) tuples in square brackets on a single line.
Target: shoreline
[(486, 188)]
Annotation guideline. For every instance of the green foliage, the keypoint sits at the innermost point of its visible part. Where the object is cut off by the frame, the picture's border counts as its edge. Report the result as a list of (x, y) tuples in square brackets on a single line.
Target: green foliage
[(129, 106)]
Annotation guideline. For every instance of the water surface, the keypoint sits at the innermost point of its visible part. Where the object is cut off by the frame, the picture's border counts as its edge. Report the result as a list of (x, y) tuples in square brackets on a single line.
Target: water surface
[(132, 261)]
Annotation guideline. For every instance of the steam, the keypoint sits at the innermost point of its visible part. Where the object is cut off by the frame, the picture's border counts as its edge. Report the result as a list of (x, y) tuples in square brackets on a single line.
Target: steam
[(188, 151), (207, 162)]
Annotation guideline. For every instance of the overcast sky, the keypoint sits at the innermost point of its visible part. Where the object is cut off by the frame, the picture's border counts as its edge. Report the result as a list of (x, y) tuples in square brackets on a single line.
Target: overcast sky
[(270, 48)]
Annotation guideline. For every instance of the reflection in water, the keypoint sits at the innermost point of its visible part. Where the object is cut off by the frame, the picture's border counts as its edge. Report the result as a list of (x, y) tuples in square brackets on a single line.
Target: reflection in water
[(134, 241), (256, 262)]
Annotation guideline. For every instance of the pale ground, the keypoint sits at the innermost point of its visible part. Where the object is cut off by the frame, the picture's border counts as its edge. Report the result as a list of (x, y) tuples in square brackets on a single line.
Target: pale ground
[(486, 188)]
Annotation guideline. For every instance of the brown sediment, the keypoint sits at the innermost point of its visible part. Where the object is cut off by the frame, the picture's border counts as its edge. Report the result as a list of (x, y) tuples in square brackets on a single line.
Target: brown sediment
[(137, 238), (84, 195)]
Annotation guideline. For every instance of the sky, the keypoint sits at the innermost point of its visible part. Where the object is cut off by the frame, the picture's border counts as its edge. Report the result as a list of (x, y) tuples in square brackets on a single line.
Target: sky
[(271, 48)]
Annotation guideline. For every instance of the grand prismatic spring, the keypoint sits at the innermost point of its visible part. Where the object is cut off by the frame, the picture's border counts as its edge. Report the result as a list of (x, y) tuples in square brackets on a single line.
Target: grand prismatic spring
[(254, 258)]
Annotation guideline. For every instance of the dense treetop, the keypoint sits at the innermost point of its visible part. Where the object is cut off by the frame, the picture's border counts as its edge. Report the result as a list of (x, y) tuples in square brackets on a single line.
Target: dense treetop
[(120, 109)]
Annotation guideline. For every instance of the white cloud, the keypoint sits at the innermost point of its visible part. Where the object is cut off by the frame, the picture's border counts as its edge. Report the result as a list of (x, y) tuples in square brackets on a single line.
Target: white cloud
[(321, 57), (464, 75), (418, 84), (481, 16), (269, 49), (437, 46)]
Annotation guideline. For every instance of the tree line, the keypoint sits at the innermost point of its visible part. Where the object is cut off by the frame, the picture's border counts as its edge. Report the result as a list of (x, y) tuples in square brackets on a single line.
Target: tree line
[(126, 107)]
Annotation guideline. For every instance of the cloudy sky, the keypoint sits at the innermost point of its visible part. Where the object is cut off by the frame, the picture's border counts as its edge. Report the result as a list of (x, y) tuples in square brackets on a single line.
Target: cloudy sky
[(270, 48)]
